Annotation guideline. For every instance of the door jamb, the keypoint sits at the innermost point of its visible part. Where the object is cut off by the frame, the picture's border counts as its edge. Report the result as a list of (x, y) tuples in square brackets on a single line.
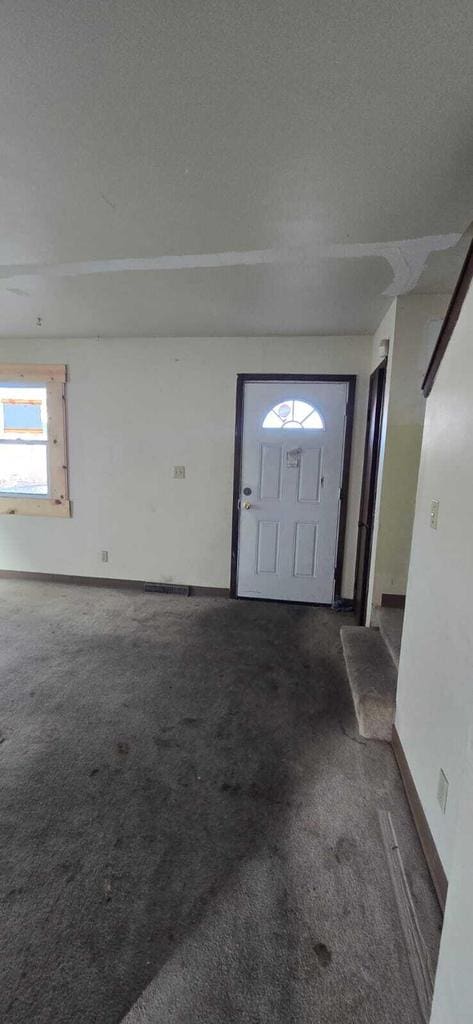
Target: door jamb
[(373, 485), (334, 378)]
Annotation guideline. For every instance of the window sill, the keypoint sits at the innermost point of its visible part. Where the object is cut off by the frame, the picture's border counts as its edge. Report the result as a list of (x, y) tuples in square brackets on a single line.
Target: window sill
[(34, 507)]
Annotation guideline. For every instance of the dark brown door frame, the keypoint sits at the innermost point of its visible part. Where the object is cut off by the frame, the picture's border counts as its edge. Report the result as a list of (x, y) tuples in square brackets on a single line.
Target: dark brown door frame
[(368, 488), (244, 378), (453, 312)]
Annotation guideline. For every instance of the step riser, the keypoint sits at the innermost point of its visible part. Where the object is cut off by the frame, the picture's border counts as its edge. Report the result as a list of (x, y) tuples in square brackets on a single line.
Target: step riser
[(390, 623)]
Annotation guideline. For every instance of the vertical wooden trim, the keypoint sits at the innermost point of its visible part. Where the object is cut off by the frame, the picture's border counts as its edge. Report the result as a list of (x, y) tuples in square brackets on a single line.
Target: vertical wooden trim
[(434, 863), (450, 321), (57, 465), (240, 391), (369, 488), (342, 523)]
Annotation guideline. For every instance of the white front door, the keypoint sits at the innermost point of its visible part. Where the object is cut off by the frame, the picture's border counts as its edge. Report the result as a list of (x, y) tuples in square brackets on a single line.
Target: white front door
[(291, 477)]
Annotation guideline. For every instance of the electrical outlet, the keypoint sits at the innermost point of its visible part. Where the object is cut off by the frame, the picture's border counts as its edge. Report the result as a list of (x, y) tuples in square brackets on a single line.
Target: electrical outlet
[(434, 514), (442, 791), (104, 556), (179, 472)]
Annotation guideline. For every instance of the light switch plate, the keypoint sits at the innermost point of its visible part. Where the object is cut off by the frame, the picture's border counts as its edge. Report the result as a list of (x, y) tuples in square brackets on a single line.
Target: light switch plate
[(179, 472), (442, 790), (469, 745), (434, 514)]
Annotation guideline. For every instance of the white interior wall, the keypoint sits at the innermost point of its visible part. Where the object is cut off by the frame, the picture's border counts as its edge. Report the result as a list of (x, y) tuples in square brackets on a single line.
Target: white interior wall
[(435, 689), (408, 325), (453, 997), (136, 408)]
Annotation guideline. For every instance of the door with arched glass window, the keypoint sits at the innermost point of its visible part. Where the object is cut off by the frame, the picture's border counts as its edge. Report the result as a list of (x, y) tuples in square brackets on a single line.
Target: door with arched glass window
[(292, 448)]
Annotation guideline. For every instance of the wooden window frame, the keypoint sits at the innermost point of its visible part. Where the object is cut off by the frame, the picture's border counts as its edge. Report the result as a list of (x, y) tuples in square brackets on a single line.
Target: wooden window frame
[(56, 503)]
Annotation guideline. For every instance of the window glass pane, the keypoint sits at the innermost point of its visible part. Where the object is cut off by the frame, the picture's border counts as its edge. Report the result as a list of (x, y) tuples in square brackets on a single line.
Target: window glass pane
[(295, 415), (301, 410), (272, 420), (313, 422), (26, 416), (23, 468), (284, 410), (23, 412)]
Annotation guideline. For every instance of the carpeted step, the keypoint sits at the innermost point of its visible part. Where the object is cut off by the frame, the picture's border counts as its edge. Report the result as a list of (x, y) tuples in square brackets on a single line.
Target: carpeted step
[(390, 623), (373, 680)]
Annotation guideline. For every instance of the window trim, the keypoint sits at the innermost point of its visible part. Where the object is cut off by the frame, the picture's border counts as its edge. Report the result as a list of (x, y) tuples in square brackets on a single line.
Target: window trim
[(56, 503)]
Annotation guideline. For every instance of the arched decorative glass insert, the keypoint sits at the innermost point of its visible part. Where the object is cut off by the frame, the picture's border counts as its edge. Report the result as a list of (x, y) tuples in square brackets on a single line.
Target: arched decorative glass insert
[(295, 415)]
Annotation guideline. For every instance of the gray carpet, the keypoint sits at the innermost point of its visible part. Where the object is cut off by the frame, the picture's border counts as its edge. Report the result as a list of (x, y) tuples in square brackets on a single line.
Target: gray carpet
[(188, 811)]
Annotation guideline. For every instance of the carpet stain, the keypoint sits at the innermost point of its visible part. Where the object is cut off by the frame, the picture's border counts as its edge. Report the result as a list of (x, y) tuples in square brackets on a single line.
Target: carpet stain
[(323, 954), (345, 850), (268, 793), (165, 741)]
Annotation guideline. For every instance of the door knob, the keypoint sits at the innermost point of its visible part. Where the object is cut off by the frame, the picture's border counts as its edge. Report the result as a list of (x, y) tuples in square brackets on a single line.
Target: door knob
[(247, 505)]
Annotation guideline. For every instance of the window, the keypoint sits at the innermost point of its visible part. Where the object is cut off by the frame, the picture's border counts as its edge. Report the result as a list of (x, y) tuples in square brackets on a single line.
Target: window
[(295, 415), (33, 469), (23, 439)]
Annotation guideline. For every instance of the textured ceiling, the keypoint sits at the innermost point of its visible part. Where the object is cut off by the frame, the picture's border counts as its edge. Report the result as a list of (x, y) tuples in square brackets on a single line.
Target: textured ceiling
[(305, 132)]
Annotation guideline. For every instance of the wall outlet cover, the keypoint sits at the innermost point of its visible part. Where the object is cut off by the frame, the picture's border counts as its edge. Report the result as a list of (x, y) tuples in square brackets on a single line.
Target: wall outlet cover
[(179, 472), (104, 556)]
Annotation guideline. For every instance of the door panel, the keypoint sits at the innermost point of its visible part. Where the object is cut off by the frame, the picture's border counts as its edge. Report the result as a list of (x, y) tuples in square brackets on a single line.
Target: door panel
[(291, 478), (270, 473), (309, 474), (267, 546), (305, 551)]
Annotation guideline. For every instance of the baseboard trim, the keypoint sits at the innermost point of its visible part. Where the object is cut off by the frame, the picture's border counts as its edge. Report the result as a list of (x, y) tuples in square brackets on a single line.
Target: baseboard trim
[(393, 600), (434, 863), (104, 581)]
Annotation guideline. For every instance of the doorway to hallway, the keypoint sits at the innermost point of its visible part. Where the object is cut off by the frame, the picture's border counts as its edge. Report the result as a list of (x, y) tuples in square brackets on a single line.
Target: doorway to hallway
[(368, 489)]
